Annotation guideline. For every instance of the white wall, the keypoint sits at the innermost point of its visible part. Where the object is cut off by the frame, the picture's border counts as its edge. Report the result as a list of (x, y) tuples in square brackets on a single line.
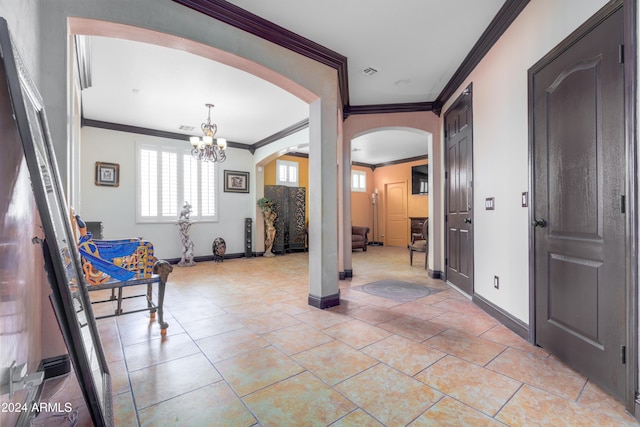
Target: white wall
[(500, 139), (116, 206)]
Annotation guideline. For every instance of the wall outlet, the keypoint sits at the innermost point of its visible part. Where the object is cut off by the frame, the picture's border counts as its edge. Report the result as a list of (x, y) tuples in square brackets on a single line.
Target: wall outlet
[(496, 282)]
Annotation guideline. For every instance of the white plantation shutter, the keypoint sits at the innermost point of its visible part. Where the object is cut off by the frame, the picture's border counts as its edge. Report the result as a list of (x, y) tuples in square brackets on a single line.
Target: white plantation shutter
[(190, 183), (167, 177), (358, 181), (287, 173), (148, 183), (169, 168), (208, 187), (282, 173)]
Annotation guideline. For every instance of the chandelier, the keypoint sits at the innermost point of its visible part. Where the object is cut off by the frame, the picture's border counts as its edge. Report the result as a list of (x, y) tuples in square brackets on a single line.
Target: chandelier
[(207, 148)]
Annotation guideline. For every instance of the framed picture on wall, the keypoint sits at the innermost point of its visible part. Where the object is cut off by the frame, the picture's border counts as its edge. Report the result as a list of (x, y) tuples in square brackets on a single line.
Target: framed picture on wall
[(236, 182), (107, 174)]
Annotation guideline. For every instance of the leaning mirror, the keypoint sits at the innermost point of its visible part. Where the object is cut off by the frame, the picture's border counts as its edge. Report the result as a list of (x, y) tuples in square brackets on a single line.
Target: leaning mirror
[(69, 295)]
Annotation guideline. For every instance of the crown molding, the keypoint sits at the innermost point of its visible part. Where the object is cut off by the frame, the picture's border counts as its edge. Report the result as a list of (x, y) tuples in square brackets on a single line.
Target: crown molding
[(503, 19), (407, 107), (242, 19), (267, 30), (302, 124), (146, 131)]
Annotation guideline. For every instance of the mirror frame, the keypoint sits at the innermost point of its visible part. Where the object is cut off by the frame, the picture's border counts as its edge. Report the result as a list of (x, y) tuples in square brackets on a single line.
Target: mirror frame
[(69, 297)]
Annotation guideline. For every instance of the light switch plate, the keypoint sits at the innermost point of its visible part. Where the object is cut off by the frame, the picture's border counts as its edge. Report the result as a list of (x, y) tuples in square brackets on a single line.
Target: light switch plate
[(489, 203)]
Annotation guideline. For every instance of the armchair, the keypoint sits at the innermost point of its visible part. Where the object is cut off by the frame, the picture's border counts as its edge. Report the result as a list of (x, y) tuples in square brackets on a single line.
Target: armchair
[(359, 239), (419, 243)]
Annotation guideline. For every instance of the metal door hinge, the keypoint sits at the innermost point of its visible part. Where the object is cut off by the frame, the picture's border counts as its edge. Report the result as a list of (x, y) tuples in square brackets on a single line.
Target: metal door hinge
[(446, 261), (623, 354), (623, 204), (621, 54)]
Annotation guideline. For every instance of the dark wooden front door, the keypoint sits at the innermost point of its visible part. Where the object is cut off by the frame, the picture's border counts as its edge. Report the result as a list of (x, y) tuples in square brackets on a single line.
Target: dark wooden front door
[(577, 103), (459, 196)]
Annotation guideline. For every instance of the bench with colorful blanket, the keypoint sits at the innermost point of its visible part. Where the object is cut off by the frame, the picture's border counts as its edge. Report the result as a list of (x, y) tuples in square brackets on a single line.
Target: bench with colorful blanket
[(118, 264)]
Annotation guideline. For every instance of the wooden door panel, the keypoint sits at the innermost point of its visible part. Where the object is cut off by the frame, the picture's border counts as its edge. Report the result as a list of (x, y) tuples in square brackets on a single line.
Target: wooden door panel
[(459, 194), (453, 181), (575, 153), (453, 249), (397, 231), (465, 252), (396, 200), (573, 295), (464, 178), (579, 183)]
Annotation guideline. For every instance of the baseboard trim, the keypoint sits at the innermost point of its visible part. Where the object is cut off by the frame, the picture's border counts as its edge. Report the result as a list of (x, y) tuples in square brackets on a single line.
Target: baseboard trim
[(324, 302), (434, 274), (515, 325), (203, 258), (348, 273)]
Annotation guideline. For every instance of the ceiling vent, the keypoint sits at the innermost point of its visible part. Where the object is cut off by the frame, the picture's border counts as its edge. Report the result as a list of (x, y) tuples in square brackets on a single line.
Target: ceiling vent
[(186, 128), (369, 71)]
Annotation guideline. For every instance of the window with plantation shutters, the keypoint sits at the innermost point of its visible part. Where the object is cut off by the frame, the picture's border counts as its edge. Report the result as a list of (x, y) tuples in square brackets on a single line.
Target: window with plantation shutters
[(358, 181), (169, 176), (286, 173)]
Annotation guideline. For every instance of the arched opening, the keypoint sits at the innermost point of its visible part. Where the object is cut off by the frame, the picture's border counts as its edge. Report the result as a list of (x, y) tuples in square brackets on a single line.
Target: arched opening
[(316, 121), (385, 157), (419, 126)]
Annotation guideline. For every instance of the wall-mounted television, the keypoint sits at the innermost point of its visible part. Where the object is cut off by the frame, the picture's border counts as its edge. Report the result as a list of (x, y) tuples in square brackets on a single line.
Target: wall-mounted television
[(420, 179)]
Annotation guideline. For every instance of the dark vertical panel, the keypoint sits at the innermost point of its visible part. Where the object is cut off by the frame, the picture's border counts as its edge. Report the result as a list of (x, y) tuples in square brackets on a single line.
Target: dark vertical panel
[(453, 249), (464, 180), (454, 179), (574, 177), (577, 122)]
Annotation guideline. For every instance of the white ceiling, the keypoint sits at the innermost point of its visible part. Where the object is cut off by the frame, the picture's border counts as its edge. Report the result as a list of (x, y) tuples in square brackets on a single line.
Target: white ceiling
[(410, 43)]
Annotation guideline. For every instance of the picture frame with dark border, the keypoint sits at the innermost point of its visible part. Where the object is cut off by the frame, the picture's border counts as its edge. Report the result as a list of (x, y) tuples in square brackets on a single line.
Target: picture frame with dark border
[(107, 174), (236, 181), (69, 296)]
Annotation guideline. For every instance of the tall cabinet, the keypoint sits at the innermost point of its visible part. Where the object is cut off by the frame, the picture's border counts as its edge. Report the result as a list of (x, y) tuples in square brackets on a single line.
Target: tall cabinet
[(290, 206)]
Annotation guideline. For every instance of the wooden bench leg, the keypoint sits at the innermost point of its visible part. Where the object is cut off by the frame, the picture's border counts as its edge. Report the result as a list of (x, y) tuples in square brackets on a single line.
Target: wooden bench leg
[(119, 309), (163, 324), (152, 309), (163, 268)]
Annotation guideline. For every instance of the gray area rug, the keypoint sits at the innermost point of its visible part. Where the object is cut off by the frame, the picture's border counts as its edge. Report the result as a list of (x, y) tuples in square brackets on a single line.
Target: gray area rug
[(396, 290)]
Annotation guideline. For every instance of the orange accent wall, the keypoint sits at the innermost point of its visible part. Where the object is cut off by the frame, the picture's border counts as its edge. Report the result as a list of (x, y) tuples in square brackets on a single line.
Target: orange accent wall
[(417, 205), (303, 175), (361, 208)]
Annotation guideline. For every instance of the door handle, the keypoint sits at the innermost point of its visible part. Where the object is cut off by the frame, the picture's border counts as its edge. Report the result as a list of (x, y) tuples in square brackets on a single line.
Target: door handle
[(467, 220), (539, 223)]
